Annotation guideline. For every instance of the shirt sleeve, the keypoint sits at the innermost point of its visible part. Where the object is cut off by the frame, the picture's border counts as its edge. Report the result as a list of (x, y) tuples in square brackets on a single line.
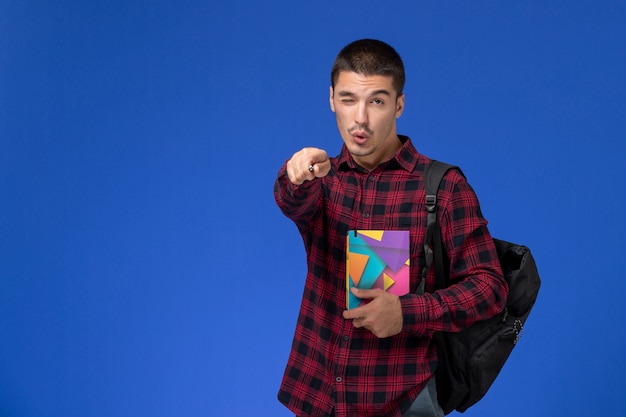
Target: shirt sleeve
[(478, 289), (300, 203)]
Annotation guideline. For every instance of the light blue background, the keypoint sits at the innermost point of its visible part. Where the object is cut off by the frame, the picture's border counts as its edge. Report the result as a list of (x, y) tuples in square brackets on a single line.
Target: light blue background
[(144, 267)]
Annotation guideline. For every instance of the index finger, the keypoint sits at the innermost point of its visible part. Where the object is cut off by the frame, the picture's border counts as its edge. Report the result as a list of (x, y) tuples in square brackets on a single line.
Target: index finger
[(354, 313)]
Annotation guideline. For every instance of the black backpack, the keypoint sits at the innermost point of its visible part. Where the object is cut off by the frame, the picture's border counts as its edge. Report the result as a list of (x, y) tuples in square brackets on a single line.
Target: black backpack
[(470, 360)]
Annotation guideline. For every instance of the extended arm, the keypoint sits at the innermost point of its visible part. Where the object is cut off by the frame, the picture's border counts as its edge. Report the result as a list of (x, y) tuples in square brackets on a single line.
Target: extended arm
[(295, 191)]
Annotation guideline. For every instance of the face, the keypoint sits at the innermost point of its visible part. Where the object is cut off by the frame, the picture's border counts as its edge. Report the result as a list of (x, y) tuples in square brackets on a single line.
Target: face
[(366, 108)]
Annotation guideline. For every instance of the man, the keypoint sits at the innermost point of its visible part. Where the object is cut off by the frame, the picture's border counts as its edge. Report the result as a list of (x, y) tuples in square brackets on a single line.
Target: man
[(377, 359)]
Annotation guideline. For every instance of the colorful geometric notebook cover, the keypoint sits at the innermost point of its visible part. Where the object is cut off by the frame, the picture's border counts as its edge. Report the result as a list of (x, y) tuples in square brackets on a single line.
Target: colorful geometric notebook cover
[(377, 259)]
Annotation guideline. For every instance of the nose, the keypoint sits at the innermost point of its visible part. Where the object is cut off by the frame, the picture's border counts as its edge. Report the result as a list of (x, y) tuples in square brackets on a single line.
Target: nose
[(360, 114)]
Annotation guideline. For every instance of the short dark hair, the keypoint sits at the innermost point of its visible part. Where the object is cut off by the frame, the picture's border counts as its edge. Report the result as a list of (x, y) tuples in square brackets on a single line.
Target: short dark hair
[(370, 57)]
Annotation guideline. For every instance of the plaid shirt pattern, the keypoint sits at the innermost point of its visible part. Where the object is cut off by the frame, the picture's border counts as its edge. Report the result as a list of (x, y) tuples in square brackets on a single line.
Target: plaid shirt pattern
[(337, 370)]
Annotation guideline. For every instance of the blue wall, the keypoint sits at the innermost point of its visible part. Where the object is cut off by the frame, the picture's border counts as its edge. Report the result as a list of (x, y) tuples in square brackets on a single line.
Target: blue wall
[(144, 267)]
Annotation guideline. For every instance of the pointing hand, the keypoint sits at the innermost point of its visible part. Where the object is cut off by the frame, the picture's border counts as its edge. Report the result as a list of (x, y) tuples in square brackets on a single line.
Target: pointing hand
[(308, 164)]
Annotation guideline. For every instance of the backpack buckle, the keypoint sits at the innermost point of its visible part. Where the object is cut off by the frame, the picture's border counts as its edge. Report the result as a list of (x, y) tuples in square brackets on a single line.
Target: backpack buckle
[(431, 203)]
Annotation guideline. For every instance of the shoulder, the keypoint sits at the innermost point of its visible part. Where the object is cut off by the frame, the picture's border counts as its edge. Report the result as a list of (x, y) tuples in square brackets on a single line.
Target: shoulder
[(455, 190)]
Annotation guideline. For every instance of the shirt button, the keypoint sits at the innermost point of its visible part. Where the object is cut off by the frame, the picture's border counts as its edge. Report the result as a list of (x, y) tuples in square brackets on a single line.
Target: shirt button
[(346, 338), (366, 215), (338, 379), (371, 179)]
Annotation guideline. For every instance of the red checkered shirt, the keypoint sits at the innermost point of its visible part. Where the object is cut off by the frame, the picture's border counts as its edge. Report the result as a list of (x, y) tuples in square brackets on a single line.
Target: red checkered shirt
[(336, 369)]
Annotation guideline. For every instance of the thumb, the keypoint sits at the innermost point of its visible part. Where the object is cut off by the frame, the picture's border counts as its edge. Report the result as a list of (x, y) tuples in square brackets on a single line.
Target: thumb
[(321, 168)]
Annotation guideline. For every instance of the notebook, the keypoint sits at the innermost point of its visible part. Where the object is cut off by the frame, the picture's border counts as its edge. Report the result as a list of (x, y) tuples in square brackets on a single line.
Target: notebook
[(377, 259)]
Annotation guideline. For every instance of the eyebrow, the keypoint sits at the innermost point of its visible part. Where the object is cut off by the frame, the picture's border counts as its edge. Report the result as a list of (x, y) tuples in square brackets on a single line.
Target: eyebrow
[(382, 91)]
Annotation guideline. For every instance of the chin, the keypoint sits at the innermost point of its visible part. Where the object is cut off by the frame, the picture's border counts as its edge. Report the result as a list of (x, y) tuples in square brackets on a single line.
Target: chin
[(358, 150)]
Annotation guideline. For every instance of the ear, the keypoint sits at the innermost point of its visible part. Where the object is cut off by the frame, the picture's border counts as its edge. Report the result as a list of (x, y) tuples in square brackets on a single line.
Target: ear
[(332, 103), (399, 105)]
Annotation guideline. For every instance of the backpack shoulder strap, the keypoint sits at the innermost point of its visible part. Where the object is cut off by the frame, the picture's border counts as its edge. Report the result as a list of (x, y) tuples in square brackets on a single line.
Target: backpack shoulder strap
[(433, 246)]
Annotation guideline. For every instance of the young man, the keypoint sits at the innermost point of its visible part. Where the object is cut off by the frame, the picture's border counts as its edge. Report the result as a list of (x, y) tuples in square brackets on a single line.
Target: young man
[(377, 359)]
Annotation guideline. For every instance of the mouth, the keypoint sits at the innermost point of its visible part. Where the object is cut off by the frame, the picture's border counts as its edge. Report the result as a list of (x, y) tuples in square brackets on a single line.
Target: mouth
[(359, 137)]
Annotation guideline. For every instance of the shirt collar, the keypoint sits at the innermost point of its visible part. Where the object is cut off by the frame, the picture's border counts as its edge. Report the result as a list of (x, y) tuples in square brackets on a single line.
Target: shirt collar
[(406, 157)]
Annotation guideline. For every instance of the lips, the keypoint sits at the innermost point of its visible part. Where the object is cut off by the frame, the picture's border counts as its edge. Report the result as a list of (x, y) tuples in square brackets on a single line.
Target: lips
[(360, 137)]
